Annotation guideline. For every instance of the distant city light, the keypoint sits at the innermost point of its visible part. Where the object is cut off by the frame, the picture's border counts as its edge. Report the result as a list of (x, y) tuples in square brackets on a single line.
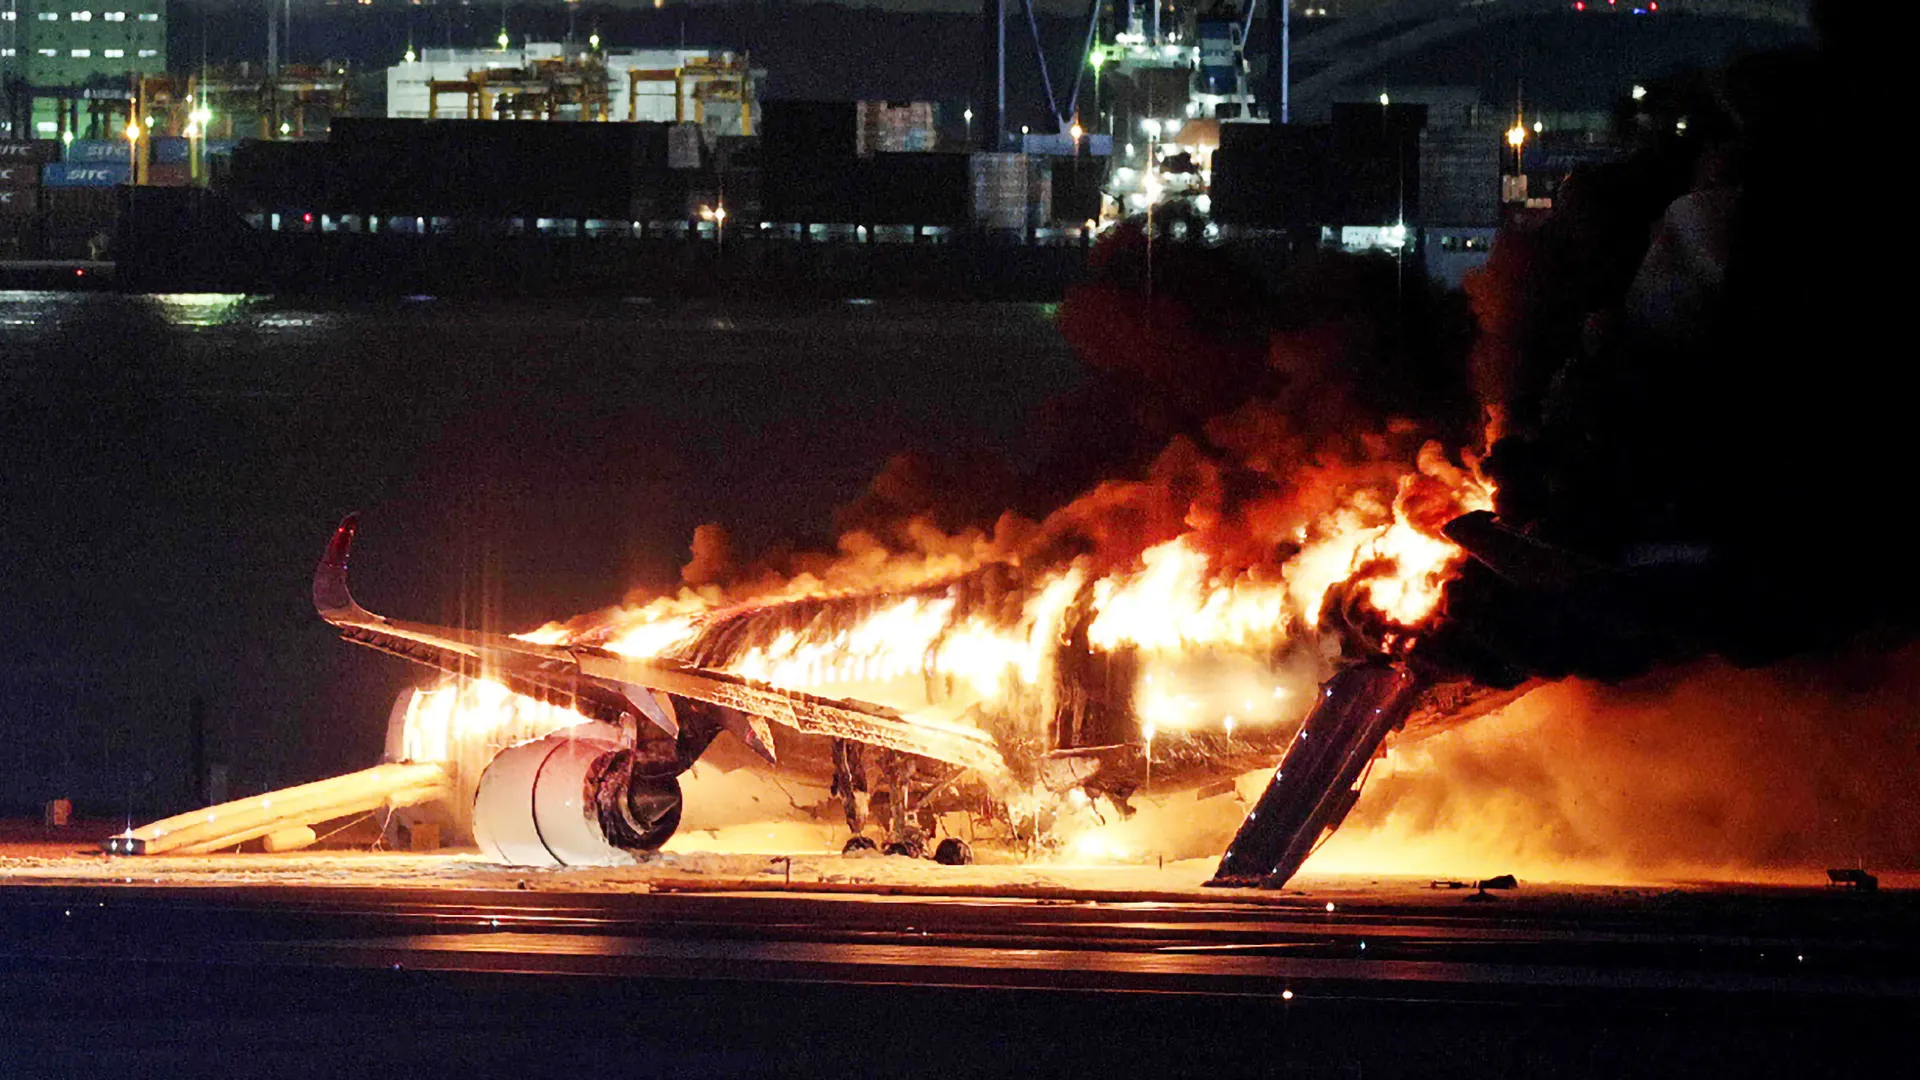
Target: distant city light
[(1096, 60), (502, 39), (411, 56), (1639, 93), (593, 41), (1384, 100), (133, 132), (1539, 126), (1077, 131), (1516, 135)]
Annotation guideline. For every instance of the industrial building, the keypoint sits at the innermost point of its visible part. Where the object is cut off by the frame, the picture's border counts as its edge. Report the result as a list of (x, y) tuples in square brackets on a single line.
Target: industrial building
[(547, 80), (59, 49)]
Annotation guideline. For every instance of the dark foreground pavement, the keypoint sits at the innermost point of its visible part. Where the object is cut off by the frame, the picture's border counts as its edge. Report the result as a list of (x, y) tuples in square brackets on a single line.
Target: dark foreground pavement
[(362, 982)]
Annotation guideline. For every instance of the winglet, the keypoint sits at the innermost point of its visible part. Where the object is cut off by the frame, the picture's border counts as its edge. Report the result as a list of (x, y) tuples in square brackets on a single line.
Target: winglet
[(331, 597)]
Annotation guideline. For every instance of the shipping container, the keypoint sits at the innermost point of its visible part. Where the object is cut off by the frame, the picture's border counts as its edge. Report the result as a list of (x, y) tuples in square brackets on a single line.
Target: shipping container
[(171, 150), (102, 174), (1065, 145), (94, 151), (1011, 192), (179, 175), (1460, 176), (886, 127), (29, 151), (17, 201), (80, 207), (19, 176)]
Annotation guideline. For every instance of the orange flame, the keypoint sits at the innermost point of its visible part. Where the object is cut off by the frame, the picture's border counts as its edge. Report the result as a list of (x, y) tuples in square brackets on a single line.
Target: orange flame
[(914, 645)]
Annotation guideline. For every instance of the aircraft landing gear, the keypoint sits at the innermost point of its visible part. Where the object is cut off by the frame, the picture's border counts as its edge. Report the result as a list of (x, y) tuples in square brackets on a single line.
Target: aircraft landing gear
[(910, 843)]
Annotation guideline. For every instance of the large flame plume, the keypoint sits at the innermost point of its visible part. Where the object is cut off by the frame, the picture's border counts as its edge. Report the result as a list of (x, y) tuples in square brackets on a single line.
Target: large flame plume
[(978, 625)]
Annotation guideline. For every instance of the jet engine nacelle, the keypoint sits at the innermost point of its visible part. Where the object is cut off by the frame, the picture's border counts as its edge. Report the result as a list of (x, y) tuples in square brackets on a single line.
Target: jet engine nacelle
[(574, 798)]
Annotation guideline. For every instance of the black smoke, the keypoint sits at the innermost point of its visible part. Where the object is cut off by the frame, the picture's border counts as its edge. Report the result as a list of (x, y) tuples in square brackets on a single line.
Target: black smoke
[(1698, 374)]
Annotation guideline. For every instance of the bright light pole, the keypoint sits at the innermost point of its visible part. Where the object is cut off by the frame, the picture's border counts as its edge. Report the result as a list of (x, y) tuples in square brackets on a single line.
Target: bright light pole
[(1098, 60), (199, 126), (133, 133)]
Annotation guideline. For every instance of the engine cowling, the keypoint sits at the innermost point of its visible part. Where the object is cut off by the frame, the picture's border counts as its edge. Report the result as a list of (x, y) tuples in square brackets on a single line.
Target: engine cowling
[(571, 799)]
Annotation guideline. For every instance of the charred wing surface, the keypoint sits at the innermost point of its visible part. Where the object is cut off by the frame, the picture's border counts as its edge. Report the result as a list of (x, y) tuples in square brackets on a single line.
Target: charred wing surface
[(603, 685), (1317, 781)]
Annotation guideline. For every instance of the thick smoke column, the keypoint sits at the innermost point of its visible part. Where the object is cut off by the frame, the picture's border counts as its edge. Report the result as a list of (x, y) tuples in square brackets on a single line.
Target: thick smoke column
[(1699, 435)]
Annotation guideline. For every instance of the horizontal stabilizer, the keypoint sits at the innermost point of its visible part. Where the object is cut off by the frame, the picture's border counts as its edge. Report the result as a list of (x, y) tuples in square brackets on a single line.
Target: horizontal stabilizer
[(197, 832)]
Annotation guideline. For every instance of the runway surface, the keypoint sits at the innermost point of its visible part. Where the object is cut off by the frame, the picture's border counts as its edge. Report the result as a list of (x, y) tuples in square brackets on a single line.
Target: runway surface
[(429, 981)]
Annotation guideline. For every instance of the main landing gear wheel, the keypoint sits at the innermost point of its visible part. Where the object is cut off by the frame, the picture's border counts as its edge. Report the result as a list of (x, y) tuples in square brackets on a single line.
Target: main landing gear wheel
[(910, 845), (858, 844), (953, 851)]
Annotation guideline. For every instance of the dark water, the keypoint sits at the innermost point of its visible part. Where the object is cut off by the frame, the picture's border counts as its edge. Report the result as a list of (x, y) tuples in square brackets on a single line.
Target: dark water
[(172, 466)]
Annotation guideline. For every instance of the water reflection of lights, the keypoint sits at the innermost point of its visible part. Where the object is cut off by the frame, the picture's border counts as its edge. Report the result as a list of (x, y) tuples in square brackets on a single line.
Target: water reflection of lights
[(200, 309)]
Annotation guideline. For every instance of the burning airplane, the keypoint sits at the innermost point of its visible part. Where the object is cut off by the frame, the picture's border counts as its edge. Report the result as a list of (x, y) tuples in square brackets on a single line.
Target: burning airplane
[(1297, 569), (1005, 684)]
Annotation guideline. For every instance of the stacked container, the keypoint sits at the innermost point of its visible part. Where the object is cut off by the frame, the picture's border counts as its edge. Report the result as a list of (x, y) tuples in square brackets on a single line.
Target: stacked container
[(885, 127), (1011, 192)]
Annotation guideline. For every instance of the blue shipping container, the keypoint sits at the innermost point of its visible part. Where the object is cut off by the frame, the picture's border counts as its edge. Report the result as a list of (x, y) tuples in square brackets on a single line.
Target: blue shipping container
[(1063, 145), (102, 174), (88, 151), (171, 150)]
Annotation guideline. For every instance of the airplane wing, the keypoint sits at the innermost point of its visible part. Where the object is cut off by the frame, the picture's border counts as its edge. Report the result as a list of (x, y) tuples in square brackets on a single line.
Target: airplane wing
[(603, 684)]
